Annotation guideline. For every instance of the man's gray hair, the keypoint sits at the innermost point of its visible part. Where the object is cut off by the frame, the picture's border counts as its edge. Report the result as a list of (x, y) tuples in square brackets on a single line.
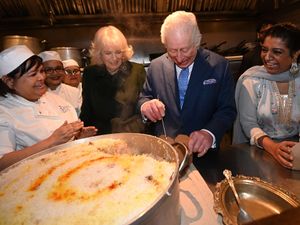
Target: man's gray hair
[(183, 21)]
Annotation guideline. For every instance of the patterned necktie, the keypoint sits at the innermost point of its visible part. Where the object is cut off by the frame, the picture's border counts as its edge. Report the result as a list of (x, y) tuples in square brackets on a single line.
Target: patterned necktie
[(182, 84)]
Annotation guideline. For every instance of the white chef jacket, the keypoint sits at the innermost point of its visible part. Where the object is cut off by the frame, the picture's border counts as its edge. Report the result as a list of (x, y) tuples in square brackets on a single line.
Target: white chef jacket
[(70, 94), (24, 123), (80, 88)]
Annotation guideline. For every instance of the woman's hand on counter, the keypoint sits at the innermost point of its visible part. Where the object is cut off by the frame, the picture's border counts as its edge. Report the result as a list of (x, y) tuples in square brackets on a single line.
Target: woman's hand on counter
[(281, 151)]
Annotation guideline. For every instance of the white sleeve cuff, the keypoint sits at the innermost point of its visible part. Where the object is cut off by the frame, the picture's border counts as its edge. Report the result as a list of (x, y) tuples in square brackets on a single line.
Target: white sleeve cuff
[(213, 136), (144, 118), (255, 134)]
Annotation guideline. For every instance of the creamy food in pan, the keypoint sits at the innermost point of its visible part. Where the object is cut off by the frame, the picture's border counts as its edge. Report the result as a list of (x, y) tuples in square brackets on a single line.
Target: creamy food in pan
[(89, 183)]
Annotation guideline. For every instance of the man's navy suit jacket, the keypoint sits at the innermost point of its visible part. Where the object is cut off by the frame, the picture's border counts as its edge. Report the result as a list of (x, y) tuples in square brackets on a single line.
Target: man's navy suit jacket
[(209, 100)]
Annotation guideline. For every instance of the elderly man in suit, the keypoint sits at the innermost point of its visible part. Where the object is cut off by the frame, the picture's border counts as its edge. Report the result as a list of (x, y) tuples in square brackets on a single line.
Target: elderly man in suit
[(191, 89)]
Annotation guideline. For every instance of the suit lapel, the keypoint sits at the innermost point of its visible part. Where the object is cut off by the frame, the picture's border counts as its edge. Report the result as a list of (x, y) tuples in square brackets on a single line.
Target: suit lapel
[(170, 78), (201, 72)]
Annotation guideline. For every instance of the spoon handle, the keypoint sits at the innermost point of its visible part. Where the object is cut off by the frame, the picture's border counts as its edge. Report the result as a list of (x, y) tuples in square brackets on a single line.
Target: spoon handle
[(228, 175), (163, 122)]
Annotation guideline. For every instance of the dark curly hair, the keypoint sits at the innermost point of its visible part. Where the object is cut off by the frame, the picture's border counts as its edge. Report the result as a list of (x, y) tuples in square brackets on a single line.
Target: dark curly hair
[(288, 33), (19, 72)]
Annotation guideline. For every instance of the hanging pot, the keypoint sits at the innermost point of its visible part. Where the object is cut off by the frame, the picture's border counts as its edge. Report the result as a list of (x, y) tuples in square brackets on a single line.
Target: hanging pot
[(69, 53), (33, 43)]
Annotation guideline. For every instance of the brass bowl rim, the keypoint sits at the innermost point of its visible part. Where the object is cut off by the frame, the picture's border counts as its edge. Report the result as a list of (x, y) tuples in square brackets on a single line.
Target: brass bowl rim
[(221, 188)]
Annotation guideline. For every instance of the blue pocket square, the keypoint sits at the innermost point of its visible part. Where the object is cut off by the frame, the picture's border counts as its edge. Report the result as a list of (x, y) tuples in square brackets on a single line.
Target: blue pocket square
[(209, 81)]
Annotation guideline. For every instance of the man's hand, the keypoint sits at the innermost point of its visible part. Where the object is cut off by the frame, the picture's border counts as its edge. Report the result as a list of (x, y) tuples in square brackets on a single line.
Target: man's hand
[(200, 141), (154, 110)]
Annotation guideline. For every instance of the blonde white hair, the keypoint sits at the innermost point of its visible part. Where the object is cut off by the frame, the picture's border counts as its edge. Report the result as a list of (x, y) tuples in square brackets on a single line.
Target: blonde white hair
[(181, 21), (106, 36)]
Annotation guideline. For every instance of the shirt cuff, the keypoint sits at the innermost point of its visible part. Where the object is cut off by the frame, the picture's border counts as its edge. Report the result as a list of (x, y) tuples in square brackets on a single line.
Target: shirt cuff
[(214, 138), (144, 118), (256, 133)]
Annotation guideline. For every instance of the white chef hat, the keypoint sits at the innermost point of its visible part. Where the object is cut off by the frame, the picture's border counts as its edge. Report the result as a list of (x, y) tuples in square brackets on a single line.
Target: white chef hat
[(70, 62), (49, 55), (13, 57)]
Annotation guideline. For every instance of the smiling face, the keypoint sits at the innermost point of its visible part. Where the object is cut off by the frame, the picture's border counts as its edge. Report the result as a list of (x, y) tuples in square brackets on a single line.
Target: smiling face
[(55, 73), (31, 85), (72, 76), (275, 55), (112, 56), (180, 48)]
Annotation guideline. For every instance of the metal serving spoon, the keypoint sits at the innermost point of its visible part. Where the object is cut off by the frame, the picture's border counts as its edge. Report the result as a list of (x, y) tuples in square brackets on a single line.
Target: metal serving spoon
[(163, 123), (243, 216)]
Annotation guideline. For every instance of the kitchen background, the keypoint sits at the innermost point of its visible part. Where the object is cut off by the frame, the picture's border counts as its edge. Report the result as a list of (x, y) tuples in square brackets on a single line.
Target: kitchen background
[(228, 26)]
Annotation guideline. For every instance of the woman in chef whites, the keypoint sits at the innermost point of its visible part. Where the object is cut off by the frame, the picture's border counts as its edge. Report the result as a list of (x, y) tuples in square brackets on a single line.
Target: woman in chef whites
[(31, 119), (111, 85)]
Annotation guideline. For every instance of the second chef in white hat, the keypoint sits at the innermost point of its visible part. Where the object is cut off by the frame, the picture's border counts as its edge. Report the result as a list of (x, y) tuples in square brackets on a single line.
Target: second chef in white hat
[(55, 74)]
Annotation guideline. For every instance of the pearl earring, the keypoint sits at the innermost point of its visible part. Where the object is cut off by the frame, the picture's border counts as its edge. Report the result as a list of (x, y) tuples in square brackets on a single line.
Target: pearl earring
[(294, 68)]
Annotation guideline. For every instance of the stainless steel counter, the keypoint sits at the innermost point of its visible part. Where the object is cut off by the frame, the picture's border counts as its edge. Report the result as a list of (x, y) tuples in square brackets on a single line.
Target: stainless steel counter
[(247, 160)]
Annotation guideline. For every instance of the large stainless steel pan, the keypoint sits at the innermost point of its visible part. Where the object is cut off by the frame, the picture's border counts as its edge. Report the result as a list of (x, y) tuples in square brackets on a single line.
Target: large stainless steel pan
[(33, 43), (166, 208)]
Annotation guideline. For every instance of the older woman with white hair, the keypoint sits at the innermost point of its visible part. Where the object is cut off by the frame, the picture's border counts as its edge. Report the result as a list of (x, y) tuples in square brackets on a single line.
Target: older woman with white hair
[(111, 85), (31, 118)]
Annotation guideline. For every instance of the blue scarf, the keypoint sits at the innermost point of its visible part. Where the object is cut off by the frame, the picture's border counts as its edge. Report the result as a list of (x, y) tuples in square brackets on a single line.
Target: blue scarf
[(258, 72)]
